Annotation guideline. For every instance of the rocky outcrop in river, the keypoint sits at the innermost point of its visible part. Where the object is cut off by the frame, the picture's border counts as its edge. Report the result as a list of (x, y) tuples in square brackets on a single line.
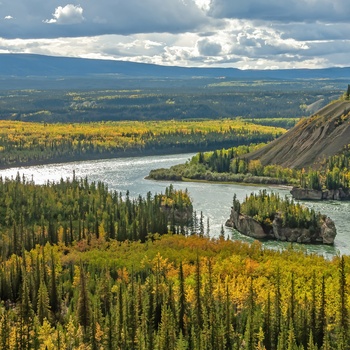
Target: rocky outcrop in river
[(307, 194), (248, 226)]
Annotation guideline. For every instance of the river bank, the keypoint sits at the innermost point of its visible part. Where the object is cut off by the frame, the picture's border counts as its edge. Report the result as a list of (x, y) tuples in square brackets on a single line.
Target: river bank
[(214, 200), (100, 156)]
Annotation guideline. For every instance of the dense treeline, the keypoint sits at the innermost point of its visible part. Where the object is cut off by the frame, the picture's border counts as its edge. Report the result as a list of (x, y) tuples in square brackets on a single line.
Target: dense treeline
[(78, 211), (264, 207), (286, 123), (229, 165), (85, 268), (22, 142), (333, 173), (174, 293)]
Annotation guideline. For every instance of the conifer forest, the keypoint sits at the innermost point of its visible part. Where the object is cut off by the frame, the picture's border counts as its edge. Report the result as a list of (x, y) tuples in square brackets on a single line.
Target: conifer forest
[(86, 268)]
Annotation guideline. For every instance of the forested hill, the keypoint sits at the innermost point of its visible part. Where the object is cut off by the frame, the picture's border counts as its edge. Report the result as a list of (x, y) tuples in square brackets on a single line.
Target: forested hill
[(320, 136), (26, 65)]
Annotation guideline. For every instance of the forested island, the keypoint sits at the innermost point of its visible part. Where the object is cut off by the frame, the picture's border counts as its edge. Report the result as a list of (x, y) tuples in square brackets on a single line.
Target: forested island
[(268, 216)]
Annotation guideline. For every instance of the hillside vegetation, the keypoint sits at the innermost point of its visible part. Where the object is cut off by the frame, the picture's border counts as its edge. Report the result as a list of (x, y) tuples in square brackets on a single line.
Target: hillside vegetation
[(313, 155), (313, 139), (330, 179)]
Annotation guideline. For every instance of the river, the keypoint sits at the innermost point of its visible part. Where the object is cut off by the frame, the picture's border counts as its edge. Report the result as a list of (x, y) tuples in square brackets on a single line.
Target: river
[(214, 200)]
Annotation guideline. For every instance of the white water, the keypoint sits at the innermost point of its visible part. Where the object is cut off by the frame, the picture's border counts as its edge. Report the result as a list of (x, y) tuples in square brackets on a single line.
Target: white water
[(214, 200)]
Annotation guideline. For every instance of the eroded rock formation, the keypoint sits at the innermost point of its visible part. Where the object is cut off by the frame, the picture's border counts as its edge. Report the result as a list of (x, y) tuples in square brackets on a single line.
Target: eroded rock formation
[(307, 194), (325, 232)]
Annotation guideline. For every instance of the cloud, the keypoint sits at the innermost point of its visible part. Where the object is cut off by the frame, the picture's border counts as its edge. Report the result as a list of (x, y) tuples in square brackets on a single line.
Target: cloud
[(267, 48), (101, 17), (68, 14), (277, 10), (208, 48), (265, 41), (203, 4), (243, 34), (314, 31)]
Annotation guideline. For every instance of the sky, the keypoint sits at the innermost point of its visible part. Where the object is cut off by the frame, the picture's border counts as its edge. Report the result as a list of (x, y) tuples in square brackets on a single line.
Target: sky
[(245, 34)]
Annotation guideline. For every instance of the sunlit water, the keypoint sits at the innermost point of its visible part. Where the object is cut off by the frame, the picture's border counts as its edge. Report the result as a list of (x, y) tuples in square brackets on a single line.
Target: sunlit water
[(214, 200)]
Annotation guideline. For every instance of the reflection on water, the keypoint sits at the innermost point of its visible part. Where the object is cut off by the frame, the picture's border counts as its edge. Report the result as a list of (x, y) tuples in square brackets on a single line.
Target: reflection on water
[(214, 200)]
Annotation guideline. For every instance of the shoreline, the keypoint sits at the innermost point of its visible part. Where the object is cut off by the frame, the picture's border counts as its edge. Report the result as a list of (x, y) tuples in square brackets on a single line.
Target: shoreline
[(283, 187), (91, 157), (132, 152)]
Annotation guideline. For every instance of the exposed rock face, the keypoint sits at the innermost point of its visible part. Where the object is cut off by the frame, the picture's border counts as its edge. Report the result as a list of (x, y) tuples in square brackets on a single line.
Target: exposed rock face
[(246, 225), (307, 194), (252, 228), (328, 231), (289, 234)]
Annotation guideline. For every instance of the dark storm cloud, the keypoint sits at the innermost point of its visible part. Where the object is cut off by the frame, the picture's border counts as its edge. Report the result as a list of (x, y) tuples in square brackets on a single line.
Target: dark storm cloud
[(284, 11), (49, 19)]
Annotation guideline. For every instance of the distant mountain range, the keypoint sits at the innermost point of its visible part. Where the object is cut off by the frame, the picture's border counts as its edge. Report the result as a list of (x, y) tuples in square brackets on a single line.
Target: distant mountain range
[(27, 65)]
